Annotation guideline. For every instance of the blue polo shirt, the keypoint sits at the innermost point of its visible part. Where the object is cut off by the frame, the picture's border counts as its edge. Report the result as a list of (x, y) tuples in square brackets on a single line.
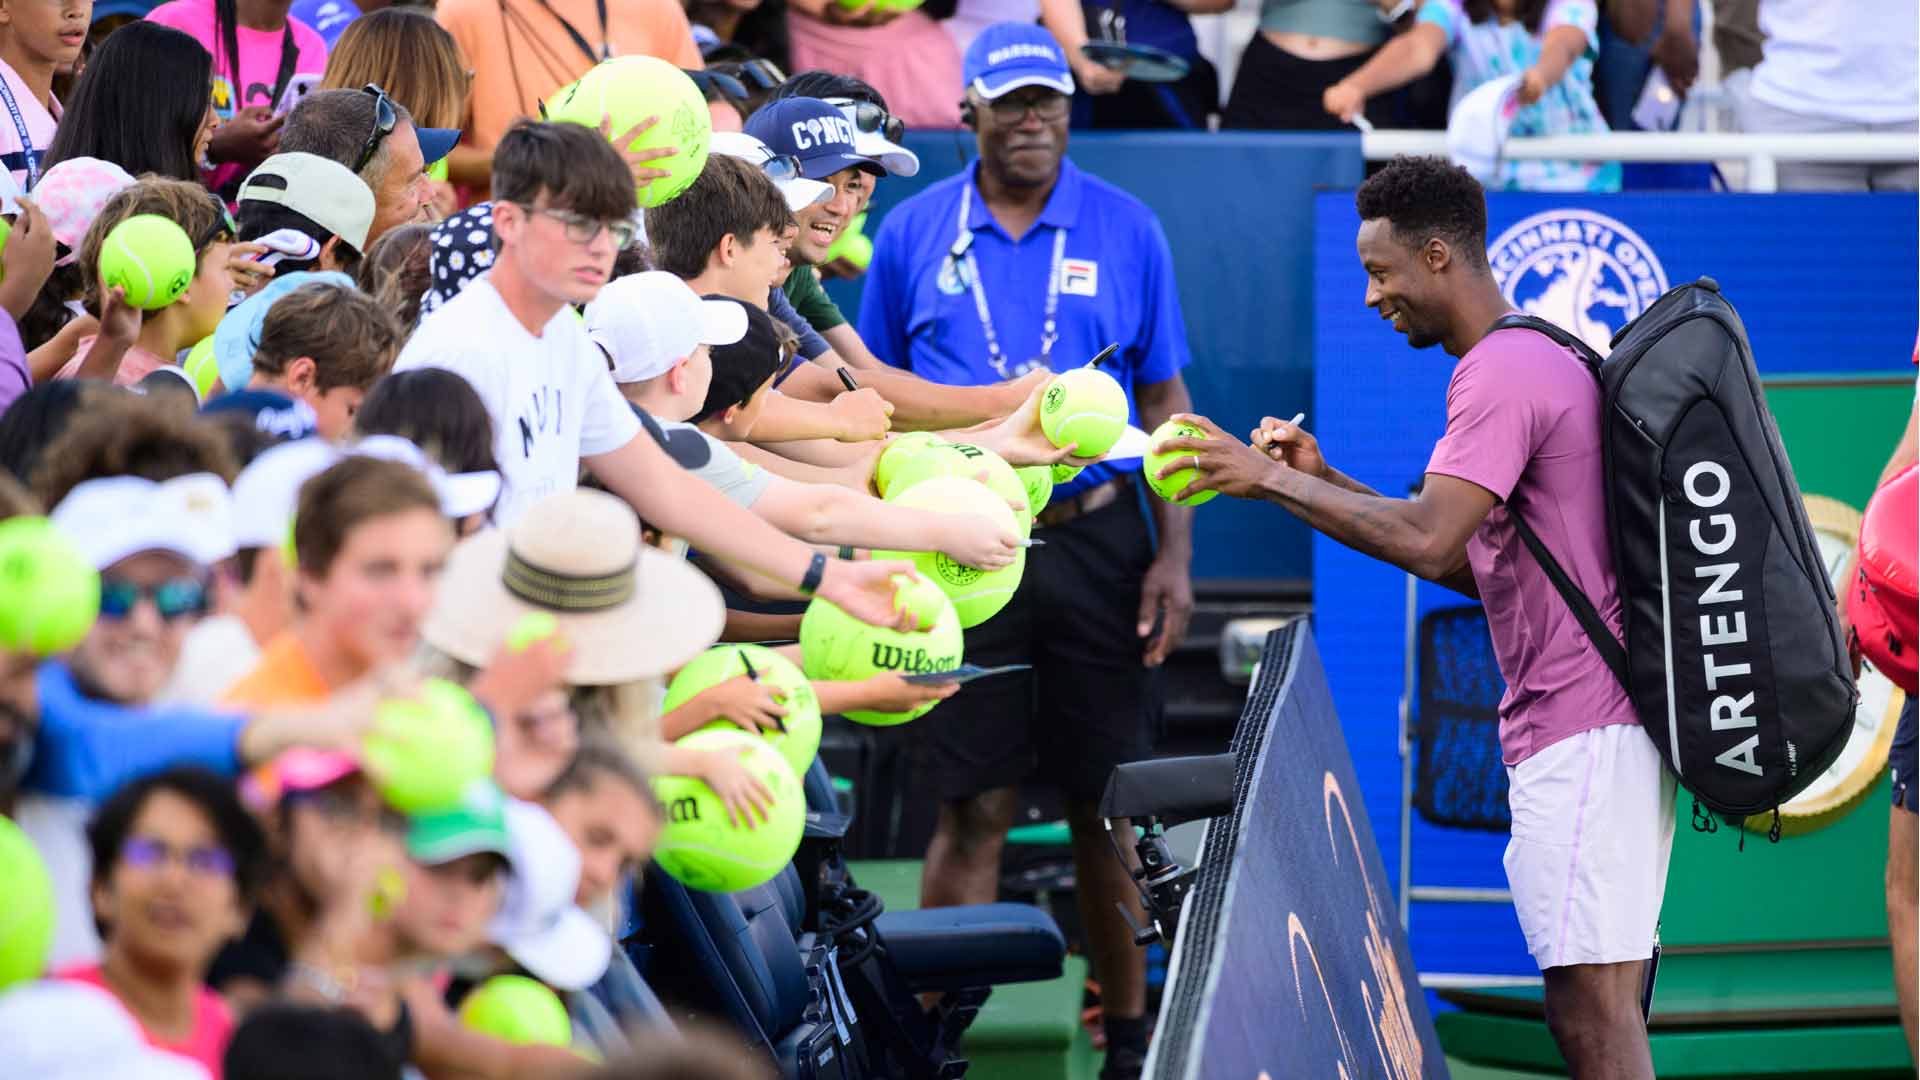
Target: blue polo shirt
[(1117, 285)]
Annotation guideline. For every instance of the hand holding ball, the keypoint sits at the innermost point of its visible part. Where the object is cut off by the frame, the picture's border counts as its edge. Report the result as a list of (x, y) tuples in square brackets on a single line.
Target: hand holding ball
[(149, 257), (423, 753), (627, 90), (837, 646), (977, 595), (800, 740), (1087, 407), (701, 848), (1173, 483)]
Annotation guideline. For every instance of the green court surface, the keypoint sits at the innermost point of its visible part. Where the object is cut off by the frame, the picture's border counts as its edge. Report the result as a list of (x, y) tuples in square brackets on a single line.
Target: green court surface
[(1025, 1031)]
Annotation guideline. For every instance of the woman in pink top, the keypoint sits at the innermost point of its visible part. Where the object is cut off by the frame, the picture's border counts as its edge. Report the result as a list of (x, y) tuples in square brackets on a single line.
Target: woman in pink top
[(175, 861), (264, 62), (907, 57)]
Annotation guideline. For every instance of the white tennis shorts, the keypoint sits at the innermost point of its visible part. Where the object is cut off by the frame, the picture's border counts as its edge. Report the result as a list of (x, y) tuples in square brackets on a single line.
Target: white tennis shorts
[(1592, 833)]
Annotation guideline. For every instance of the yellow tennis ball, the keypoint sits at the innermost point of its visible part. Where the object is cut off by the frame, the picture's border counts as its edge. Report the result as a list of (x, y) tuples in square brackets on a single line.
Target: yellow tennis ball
[(6, 230), (920, 598), (422, 753), (26, 919), (151, 258), (701, 848), (202, 368), (627, 90), (519, 1010), (1038, 480), (977, 595), (835, 645), (1152, 463), (801, 740), (900, 450), (1063, 473), (531, 627), (1085, 406), (49, 595), (970, 462)]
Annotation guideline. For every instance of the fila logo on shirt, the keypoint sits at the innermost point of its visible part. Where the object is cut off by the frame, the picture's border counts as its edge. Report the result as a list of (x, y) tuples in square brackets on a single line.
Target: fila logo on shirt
[(1079, 277), (822, 131)]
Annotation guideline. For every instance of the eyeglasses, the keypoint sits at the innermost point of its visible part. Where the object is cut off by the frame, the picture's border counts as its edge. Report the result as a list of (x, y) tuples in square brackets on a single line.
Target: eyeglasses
[(1048, 106), (582, 229), (718, 82), (175, 598), (764, 74), (385, 119), (221, 228), (147, 853), (872, 119)]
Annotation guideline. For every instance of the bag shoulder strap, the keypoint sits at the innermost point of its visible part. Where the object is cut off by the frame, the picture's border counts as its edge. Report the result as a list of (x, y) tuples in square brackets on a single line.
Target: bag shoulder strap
[(1612, 653)]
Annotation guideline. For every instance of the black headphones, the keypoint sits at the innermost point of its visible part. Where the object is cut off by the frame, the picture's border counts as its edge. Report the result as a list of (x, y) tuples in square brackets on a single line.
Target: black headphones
[(966, 113)]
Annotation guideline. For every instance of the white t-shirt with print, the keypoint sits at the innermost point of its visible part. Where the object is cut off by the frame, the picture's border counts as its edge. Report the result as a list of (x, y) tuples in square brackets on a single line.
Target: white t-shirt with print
[(551, 397)]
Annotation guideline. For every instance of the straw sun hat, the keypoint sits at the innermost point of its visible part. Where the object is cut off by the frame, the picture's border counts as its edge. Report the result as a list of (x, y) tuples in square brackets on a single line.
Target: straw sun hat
[(629, 611)]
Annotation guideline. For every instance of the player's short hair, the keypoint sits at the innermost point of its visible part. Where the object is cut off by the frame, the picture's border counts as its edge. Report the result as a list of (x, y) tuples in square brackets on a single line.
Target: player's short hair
[(1422, 197)]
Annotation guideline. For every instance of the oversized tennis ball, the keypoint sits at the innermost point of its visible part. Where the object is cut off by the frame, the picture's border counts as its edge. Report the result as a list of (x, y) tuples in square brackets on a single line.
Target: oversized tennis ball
[(49, 594), (422, 753), (627, 90), (900, 450), (835, 645), (6, 230), (519, 1010), (701, 848), (711, 668), (1152, 463), (1086, 406), (852, 243), (531, 627), (977, 595), (970, 462), (151, 258), (1038, 480), (1063, 472), (26, 919), (201, 367)]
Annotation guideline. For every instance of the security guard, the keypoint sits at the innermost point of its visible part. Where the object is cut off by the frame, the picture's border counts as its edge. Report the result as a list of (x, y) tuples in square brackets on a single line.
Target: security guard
[(1025, 262)]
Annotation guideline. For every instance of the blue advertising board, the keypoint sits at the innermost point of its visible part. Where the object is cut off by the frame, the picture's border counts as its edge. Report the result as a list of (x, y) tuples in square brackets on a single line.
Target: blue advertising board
[(1825, 284)]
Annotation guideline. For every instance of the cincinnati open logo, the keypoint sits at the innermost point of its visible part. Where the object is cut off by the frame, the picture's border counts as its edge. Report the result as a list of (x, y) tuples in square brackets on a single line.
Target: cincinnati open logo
[(1577, 269)]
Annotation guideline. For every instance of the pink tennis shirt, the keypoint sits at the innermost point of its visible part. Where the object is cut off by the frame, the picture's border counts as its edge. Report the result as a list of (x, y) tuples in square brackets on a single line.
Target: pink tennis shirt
[(1523, 422)]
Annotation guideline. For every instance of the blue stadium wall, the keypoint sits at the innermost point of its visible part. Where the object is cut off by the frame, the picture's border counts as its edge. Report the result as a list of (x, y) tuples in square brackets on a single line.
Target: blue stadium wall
[(1262, 231)]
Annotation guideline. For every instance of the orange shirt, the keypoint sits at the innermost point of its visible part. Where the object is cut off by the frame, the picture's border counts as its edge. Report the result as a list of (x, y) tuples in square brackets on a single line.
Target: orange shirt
[(284, 676), (520, 53)]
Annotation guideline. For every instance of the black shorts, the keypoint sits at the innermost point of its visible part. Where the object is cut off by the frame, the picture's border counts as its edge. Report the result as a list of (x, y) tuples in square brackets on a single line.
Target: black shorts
[(1088, 704), (1901, 763), (1278, 91)]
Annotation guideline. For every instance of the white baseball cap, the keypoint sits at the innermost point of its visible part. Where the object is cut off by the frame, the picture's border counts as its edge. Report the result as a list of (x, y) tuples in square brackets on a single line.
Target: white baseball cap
[(58, 1030), (117, 517), (328, 193), (649, 322), (1478, 126), (538, 923), (267, 491), (799, 191)]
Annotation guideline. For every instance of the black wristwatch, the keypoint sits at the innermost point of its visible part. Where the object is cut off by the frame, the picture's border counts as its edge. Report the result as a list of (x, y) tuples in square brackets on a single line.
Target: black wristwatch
[(816, 570)]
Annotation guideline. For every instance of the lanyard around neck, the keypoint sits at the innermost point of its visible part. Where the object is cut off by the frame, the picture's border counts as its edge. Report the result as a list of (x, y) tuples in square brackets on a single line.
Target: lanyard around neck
[(27, 150), (579, 40), (1049, 329)]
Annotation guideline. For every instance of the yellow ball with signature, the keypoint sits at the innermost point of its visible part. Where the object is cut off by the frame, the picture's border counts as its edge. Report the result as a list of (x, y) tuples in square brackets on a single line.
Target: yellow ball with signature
[(628, 89)]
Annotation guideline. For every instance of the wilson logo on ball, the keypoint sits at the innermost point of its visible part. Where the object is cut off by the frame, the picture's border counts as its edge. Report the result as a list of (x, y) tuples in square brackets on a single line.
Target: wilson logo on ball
[(913, 661)]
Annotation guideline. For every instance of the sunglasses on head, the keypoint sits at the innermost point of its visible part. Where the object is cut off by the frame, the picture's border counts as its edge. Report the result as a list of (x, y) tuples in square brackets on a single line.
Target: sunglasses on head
[(385, 119), (175, 598), (765, 75), (720, 83), (871, 118), (781, 168)]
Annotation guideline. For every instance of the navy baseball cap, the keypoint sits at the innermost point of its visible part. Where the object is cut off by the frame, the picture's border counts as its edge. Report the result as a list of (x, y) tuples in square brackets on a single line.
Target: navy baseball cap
[(1007, 56), (813, 131), (436, 143)]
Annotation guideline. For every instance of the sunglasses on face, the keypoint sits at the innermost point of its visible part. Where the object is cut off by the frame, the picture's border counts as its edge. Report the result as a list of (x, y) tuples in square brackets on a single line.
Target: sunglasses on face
[(384, 121), (872, 119), (221, 229), (174, 599), (147, 853), (582, 229)]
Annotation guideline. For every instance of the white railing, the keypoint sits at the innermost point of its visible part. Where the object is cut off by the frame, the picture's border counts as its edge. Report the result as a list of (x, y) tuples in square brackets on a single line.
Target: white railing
[(1760, 152)]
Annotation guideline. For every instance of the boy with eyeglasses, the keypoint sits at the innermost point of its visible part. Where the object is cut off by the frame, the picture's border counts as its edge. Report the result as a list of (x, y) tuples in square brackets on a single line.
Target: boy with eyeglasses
[(563, 206)]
